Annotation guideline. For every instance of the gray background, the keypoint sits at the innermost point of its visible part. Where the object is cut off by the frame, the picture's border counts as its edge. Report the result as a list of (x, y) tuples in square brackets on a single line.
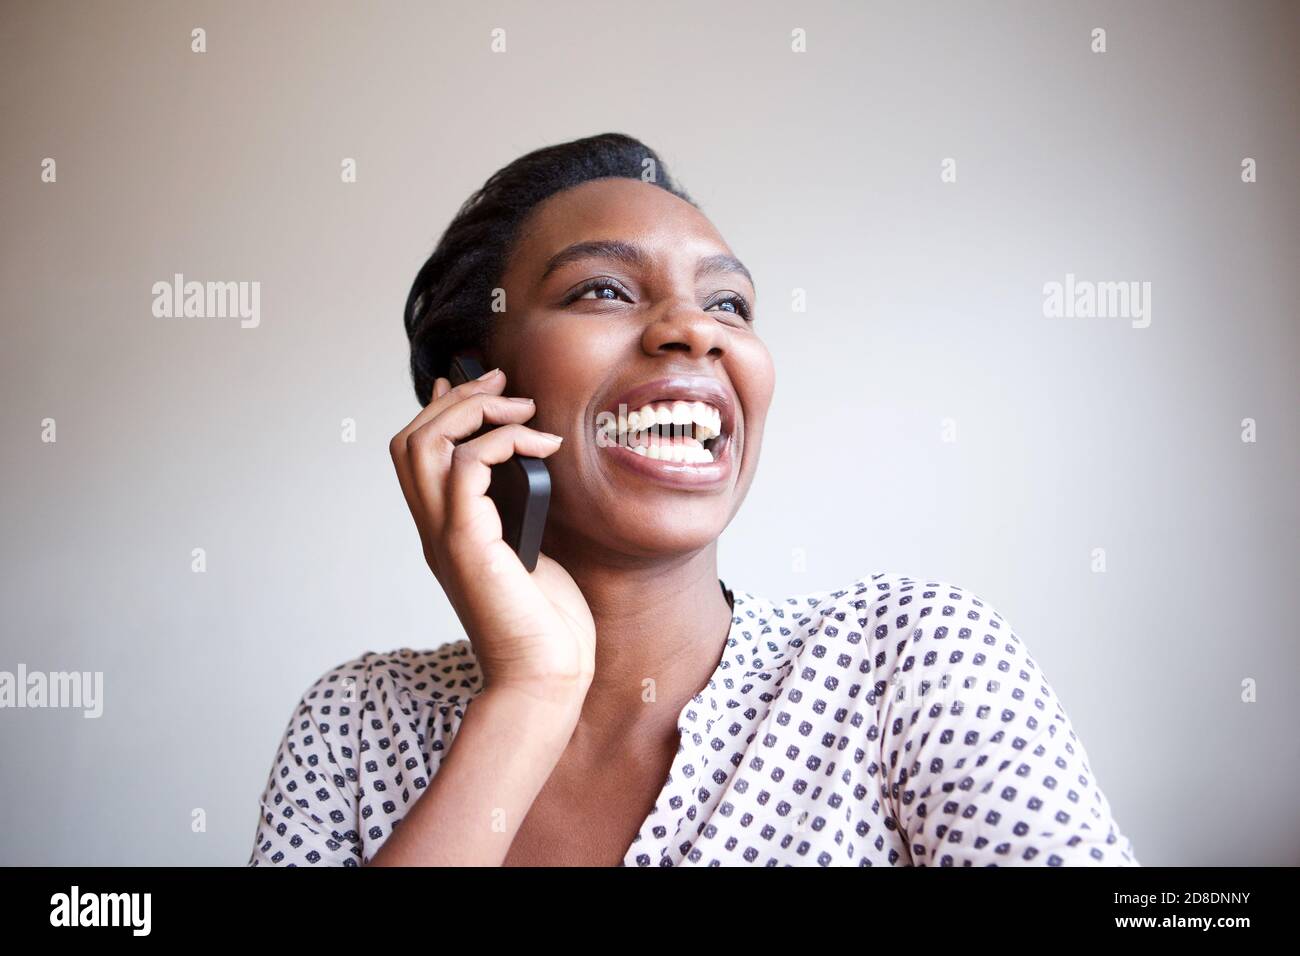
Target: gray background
[(822, 170)]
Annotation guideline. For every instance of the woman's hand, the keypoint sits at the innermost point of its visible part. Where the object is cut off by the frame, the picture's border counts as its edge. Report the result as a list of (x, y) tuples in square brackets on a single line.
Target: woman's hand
[(531, 632)]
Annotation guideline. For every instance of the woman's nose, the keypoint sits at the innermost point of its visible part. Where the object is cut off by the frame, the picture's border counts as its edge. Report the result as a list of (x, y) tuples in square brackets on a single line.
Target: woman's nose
[(682, 325)]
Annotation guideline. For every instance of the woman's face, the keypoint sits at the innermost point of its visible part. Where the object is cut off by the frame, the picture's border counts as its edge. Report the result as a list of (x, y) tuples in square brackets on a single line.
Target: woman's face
[(660, 317)]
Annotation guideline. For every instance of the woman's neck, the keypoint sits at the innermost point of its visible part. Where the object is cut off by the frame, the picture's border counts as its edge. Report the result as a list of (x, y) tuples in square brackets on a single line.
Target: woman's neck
[(661, 630)]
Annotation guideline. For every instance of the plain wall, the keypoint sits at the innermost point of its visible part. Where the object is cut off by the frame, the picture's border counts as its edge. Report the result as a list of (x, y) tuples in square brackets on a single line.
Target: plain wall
[(925, 303)]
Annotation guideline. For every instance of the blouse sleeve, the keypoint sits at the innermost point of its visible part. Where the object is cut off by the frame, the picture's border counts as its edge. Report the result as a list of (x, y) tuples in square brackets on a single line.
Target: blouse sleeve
[(308, 808), (981, 765)]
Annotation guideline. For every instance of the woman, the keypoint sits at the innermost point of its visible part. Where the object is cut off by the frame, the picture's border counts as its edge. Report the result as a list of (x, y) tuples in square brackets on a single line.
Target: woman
[(889, 721)]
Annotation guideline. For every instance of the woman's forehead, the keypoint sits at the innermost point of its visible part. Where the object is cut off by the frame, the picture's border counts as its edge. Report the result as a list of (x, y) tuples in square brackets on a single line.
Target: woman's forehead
[(614, 209)]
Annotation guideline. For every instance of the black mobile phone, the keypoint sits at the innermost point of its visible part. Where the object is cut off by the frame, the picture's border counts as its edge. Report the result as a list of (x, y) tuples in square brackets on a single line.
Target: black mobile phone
[(520, 486)]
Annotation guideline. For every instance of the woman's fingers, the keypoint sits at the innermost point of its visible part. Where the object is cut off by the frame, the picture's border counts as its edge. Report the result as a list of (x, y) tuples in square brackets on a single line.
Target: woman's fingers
[(398, 446), (445, 471), (430, 448), (440, 402), (470, 473)]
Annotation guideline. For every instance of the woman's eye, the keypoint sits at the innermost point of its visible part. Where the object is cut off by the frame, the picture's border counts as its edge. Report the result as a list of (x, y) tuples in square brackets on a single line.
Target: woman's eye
[(738, 305), (605, 290), (597, 289)]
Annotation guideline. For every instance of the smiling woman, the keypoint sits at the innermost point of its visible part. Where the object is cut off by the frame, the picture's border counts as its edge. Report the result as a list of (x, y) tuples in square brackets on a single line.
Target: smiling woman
[(620, 705)]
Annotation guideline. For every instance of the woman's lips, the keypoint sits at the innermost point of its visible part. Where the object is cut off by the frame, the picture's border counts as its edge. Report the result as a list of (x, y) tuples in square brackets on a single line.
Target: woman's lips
[(676, 473), (680, 388)]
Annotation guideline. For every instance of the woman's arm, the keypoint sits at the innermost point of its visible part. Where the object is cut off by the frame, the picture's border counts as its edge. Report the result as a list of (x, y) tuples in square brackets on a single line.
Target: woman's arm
[(505, 749), (308, 808), (533, 638), (532, 633), (318, 796), (979, 760)]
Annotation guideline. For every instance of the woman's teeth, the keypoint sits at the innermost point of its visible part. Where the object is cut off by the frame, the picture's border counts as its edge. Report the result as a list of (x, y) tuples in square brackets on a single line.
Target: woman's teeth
[(686, 450), (669, 431)]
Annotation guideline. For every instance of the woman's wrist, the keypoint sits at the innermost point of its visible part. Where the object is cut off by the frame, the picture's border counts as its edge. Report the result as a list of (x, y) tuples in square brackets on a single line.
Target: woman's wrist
[(552, 694), (548, 713)]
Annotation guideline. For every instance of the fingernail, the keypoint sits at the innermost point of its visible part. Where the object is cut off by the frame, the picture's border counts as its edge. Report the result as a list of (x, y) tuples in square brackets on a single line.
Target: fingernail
[(520, 399), (487, 375), (553, 437)]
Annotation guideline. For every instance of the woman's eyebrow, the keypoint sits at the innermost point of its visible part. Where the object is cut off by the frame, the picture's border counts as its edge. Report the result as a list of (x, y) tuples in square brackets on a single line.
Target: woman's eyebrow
[(631, 255), (722, 264)]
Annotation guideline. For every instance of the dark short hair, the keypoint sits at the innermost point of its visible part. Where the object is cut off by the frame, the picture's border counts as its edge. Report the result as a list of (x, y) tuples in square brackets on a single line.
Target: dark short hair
[(449, 306)]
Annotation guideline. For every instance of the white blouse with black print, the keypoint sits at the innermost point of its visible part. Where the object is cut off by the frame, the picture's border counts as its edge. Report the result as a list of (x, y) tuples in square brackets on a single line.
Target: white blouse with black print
[(893, 721)]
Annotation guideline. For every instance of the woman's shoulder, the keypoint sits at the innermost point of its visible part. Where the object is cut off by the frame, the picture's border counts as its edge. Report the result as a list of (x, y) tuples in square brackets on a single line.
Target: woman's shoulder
[(447, 673), (885, 625), (886, 602), (1005, 777), (362, 735)]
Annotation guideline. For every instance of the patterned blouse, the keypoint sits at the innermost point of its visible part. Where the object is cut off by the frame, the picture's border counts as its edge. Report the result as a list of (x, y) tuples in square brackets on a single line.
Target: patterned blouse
[(894, 721)]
